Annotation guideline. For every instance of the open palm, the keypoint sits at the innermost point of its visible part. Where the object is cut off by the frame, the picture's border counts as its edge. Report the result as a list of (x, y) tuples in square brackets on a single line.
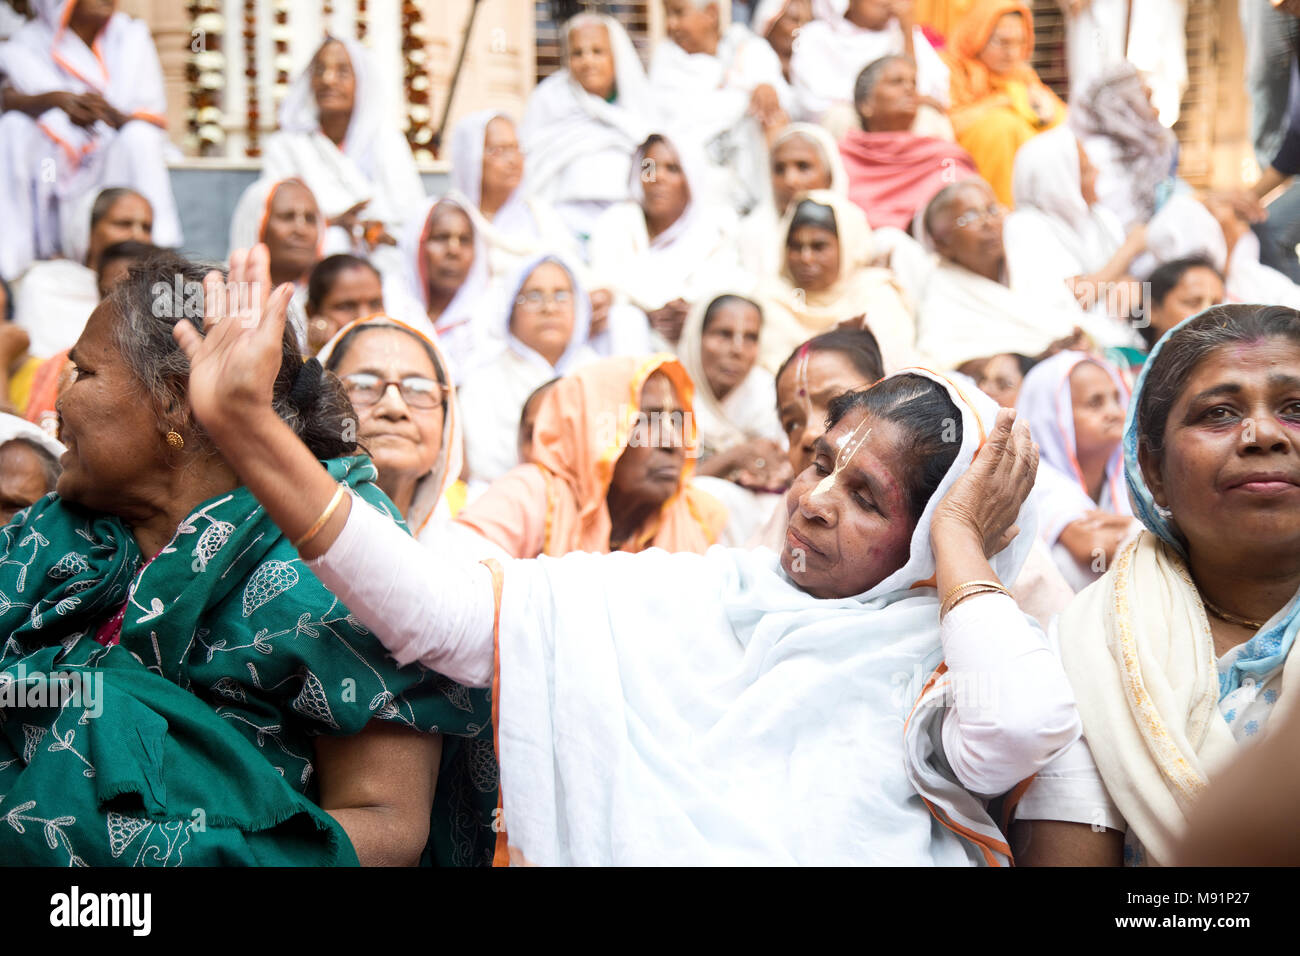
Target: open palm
[(233, 365)]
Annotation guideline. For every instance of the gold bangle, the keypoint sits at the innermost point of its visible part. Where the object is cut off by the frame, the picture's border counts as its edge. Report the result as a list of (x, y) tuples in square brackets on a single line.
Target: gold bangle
[(324, 517), (971, 590), (965, 584)]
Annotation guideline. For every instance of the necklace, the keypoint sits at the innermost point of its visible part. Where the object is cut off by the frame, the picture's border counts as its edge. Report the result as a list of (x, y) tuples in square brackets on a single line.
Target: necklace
[(1223, 615)]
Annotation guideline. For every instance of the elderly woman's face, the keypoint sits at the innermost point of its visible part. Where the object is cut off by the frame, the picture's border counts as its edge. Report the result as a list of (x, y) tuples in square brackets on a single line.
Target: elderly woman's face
[(849, 526), (129, 219), (894, 100), (691, 27), (333, 83), (729, 346), (663, 183), (1005, 48), (293, 230), (969, 233), (1230, 467), (448, 248), (591, 59), (109, 424), (543, 316), (1098, 411), (812, 255), (503, 162), (401, 432), (1001, 378), (22, 478), (650, 468), (803, 394), (870, 14), (797, 166)]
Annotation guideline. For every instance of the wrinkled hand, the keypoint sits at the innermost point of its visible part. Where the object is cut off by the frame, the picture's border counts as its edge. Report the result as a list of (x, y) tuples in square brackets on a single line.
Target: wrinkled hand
[(1241, 202), (763, 466), (79, 108), (350, 218), (1075, 341), (668, 319), (1098, 534), (985, 501), (233, 365), (601, 300)]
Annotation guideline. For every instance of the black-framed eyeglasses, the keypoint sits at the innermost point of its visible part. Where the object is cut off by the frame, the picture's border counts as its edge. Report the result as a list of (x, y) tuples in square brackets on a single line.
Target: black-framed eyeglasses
[(417, 391)]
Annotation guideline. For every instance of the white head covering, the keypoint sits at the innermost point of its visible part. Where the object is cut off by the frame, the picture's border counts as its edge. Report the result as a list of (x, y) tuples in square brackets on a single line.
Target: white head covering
[(575, 352), (1045, 402), (826, 145), (248, 224), (299, 114), (1046, 177), (11, 427), (429, 500), (74, 218), (709, 768)]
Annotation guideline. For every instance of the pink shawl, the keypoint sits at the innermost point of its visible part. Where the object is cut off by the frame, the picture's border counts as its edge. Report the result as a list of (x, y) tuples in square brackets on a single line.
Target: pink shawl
[(893, 175)]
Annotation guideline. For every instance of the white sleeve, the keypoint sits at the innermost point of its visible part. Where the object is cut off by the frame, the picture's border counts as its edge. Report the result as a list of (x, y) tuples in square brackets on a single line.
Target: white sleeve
[(424, 606), (1013, 709)]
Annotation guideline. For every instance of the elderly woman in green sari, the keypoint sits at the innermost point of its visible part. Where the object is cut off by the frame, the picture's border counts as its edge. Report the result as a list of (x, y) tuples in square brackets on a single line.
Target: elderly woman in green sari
[(233, 710)]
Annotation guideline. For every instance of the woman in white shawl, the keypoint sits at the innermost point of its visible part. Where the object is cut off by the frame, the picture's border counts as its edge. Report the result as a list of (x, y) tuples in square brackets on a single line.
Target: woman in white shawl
[(583, 124), (1180, 655), (1075, 404), (543, 326), (1059, 234), (642, 760), (487, 170), (671, 243), (831, 52), (803, 157), (826, 278), (335, 136), (408, 416), (969, 311), (742, 449), (445, 280), (722, 88), (84, 109)]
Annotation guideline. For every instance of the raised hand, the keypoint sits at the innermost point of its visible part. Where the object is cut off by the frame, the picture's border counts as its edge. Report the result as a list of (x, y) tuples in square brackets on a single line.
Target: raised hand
[(233, 365), (985, 501)]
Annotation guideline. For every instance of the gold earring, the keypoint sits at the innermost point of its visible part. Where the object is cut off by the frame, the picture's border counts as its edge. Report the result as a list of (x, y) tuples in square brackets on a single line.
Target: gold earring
[(175, 440)]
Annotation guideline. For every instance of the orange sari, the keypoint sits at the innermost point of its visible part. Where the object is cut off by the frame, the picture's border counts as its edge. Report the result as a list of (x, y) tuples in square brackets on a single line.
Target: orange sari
[(557, 504), (991, 112)]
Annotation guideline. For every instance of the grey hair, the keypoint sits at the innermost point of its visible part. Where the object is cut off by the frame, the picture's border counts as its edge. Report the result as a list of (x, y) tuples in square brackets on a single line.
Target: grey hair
[(49, 464), (154, 296), (945, 197), (105, 200), (870, 75), (1185, 347)]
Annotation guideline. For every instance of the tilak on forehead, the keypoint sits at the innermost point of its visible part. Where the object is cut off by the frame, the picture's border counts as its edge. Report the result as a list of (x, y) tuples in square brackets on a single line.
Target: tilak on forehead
[(801, 373), (848, 446)]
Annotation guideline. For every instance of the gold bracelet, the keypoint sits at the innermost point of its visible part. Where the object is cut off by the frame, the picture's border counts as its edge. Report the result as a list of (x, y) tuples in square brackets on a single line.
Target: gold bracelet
[(324, 517), (971, 590), (965, 584)]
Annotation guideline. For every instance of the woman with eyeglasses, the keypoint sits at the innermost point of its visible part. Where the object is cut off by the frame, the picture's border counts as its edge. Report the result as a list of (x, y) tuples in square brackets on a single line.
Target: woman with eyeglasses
[(998, 101), (543, 329), (969, 312)]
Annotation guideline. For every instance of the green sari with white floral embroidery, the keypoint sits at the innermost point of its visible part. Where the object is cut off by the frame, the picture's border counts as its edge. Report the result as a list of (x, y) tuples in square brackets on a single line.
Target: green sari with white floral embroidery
[(266, 659)]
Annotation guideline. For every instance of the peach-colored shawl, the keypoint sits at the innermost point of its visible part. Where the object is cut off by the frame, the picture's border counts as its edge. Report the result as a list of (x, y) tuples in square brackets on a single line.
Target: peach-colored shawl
[(557, 504)]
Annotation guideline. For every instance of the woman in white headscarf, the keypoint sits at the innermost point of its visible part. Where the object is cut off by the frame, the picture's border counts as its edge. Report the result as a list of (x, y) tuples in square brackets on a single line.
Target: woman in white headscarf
[(85, 102), (669, 244), (415, 442), (29, 462), (487, 171), (583, 124), (334, 136), (1060, 234), (826, 278), (1075, 404), (542, 331), (803, 157), (643, 760)]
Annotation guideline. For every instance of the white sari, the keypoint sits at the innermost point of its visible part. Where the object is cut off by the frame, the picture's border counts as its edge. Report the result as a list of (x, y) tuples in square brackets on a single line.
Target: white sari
[(374, 163), (580, 146), (42, 57)]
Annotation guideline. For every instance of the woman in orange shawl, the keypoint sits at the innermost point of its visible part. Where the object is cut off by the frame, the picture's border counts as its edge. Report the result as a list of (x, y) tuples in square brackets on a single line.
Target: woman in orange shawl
[(612, 456), (998, 101)]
